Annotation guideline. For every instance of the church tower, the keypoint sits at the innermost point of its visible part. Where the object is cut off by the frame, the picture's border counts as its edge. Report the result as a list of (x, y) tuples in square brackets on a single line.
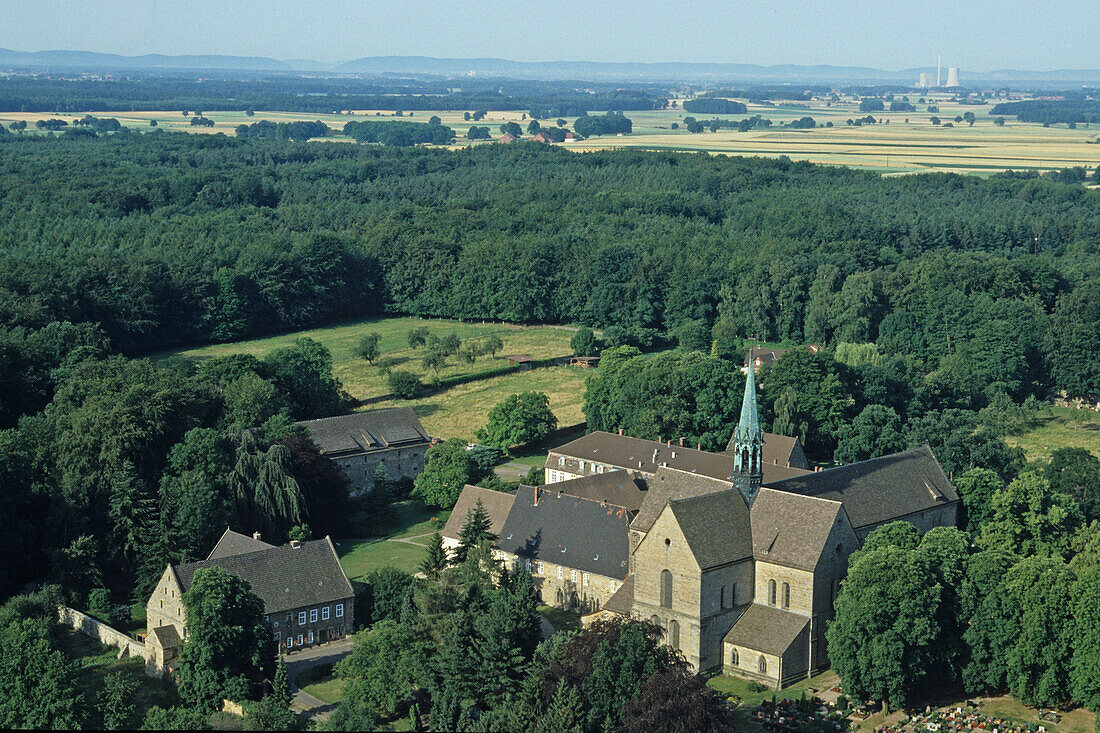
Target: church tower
[(748, 439)]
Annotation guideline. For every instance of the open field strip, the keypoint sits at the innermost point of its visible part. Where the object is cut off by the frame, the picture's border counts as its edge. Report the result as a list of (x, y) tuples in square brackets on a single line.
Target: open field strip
[(455, 412), (1065, 428)]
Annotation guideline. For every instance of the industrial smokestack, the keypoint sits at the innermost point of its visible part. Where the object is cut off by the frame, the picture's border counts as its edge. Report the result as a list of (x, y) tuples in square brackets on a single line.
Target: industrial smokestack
[(939, 62)]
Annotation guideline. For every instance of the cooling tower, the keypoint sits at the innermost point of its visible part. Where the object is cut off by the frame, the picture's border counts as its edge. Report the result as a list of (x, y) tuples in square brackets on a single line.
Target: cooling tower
[(953, 76), (925, 81)]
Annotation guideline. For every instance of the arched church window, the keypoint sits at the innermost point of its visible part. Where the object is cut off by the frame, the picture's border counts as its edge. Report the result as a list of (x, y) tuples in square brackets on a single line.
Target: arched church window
[(762, 665), (786, 595), (666, 589), (771, 592), (734, 660), (674, 634)]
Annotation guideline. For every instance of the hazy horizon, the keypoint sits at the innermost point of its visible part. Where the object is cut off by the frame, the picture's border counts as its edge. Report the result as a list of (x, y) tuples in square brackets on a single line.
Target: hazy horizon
[(982, 36)]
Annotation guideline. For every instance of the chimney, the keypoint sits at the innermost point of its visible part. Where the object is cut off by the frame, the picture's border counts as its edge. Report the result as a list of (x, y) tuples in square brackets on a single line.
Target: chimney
[(660, 439), (536, 496), (698, 446), (620, 431), (256, 535), (788, 464), (296, 544), (681, 441)]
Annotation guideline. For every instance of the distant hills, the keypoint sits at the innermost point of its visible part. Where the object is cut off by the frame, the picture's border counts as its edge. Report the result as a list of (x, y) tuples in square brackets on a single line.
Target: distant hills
[(493, 67)]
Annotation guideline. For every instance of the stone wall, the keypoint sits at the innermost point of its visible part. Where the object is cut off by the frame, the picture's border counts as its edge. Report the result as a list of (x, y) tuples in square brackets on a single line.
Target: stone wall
[(944, 515), (101, 632), (408, 461)]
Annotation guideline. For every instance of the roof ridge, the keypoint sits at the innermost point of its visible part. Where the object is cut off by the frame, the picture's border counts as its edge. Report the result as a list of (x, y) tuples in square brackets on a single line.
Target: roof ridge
[(801, 496), (560, 494)]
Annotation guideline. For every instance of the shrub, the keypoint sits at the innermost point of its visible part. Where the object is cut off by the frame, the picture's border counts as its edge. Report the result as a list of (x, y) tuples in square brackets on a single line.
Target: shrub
[(405, 385)]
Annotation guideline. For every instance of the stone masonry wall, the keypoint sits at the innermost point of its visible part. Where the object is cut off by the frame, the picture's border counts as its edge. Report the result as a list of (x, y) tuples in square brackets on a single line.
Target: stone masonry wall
[(101, 632)]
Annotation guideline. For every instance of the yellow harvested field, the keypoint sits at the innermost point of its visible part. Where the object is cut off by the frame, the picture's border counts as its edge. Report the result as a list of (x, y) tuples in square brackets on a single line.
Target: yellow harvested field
[(909, 143)]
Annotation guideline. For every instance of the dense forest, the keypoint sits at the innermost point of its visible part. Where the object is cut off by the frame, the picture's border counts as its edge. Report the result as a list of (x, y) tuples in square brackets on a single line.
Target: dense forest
[(170, 239), (317, 95)]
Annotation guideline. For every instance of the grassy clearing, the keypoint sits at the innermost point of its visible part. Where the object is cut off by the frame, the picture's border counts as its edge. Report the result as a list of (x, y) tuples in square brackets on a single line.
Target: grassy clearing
[(402, 547), (460, 411), (1065, 428), (560, 619), (455, 412)]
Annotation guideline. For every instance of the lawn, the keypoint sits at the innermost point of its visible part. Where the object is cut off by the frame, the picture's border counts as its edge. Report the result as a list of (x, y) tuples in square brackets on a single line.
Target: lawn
[(320, 682), (1065, 428), (560, 619), (401, 547)]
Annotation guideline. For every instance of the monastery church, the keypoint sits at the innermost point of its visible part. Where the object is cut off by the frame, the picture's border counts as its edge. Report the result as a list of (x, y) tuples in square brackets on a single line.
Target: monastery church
[(737, 555)]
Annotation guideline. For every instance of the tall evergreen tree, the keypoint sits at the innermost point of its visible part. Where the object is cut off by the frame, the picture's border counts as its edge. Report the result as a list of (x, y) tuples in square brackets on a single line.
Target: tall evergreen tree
[(475, 530), (435, 560)]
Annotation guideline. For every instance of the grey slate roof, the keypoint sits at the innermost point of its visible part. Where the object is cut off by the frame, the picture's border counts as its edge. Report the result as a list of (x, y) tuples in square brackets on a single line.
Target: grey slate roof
[(496, 503), (614, 487), (283, 577), (766, 629), (235, 543), (777, 451), (165, 636), (791, 529), (671, 484), (880, 489), (716, 527), (366, 431), (622, 600), (584, 534), (647, 456)]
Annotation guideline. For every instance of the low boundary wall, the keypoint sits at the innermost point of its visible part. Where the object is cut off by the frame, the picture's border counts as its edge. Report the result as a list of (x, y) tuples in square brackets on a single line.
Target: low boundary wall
[(101, 632)]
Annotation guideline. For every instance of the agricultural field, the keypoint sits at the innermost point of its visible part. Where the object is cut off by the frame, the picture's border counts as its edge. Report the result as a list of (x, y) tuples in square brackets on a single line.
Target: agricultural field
[(908, 143), (453, 412)]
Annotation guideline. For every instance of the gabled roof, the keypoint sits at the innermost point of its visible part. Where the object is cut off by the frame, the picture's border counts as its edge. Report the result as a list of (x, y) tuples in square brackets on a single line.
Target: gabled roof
[(647, 456), (366, 431), (671, 484), (584, 534), (235, 543), (497, 504), (283, 577), (880, 489), (792, 529), (614, 487), (166, 637), (766, 629), (622, 600), (716, 527)]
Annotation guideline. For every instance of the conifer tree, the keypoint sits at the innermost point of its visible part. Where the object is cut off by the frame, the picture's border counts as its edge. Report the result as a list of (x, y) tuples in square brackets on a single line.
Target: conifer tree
[(475, 530), (435, 561)]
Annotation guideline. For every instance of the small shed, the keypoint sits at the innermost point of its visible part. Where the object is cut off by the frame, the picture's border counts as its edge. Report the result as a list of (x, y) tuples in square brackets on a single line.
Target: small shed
[(522, 360)]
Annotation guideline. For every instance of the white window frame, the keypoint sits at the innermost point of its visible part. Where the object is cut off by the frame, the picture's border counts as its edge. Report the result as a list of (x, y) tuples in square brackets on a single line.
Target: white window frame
[(313, 615), (339, 610), (276, 624), (324, 613), (311, 637), (573, 575), (299, 640), (290, 642), (584, 580), (561, 460), (277, 637), (539, 568), (561, 573), (301, 618)]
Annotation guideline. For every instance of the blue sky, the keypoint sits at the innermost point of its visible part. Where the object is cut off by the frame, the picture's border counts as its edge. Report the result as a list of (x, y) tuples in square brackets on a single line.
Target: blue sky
[(979, 35)]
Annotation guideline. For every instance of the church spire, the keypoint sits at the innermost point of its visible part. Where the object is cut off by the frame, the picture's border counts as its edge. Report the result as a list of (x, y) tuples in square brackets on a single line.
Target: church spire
[(748, 429), (748, 441)]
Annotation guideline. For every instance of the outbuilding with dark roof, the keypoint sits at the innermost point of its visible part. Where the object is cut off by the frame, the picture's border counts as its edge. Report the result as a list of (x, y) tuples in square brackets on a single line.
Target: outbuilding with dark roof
[(362, 441)]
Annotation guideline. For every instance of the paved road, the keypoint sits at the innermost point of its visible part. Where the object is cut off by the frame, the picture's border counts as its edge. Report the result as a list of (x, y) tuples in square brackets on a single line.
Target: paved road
[(511, 471), (296, 662)]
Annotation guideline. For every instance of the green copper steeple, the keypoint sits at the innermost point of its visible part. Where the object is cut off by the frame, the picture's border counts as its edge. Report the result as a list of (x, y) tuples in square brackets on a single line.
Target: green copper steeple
[(748, 442)]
